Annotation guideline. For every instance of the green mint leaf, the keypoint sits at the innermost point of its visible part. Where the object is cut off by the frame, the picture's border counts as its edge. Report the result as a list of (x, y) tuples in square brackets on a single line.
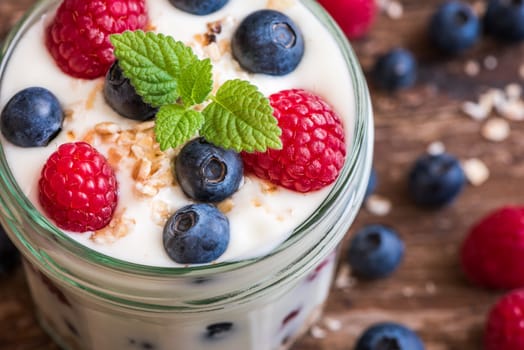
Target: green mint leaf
[(241, 118), (153, 62), (176, 125), (196, 82)]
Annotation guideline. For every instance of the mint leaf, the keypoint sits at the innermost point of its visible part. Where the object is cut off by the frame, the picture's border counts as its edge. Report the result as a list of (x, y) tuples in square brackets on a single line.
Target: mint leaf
[(153, 62), (176, 125), (196, 82), (241, 118)]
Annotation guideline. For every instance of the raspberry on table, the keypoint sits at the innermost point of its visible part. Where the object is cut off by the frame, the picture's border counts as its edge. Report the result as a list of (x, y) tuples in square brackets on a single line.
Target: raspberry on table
[(492, 253), (78, 188), (78, 36), (354, 17), (504, 327), (313, 151)]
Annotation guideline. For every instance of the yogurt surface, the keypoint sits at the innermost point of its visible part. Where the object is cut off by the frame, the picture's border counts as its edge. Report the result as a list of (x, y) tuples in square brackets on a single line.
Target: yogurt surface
[(261, 215)]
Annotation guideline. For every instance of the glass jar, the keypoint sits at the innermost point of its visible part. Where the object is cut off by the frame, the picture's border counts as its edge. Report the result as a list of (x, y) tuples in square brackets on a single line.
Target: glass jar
[(87, 300)]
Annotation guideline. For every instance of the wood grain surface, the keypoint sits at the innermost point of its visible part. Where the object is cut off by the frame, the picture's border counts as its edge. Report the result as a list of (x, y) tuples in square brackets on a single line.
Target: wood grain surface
[(428, 292)]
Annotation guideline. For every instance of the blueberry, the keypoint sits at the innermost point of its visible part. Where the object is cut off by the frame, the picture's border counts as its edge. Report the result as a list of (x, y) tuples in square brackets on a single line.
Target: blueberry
[(504, 19), (9, 255), (218, 330), (32, 118), (208, 173), (389, 336), (196, 234), (454, 27), (394, 70), (436, 180), (199, 7), (372, 183), (268, 42), (375, 252), (123, 98)]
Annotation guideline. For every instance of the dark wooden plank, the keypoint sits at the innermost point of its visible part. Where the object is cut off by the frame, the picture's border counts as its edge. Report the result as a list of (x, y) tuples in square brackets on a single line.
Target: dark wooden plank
[(428, 292)]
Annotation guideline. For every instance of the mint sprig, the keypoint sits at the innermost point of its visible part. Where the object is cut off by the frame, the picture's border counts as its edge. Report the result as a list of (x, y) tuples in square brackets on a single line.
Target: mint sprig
[(167, 74)]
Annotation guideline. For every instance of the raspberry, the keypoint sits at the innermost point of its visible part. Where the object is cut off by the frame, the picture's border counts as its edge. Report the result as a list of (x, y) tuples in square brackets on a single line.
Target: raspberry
[(353, 16), (78, 188), (313, 144), (504, 328), (491, 254), (78, 37)]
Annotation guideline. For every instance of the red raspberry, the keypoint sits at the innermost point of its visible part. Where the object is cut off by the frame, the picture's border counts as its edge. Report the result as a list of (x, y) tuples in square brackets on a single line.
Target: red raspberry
[(505, 324), (78, 37), (353, 16), (492, 254), (313, 144), (78, 188)]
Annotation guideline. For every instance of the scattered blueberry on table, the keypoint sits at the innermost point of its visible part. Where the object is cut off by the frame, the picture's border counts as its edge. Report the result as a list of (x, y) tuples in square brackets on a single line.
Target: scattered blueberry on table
[(396, 69), (454, 27), (504, 19), (436, 180), (375, 252), (389, 336)]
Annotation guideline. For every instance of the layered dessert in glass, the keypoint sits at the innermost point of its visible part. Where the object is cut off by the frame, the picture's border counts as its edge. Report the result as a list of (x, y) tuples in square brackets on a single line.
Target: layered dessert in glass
[(141, 255)]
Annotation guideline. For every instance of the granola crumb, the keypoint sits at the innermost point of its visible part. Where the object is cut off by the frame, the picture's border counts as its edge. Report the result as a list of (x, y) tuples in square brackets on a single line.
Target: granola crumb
[(332, 324), (513, 91), (378, 205), (476, 171), (431, 288), (496, 130), (90, 102), (317, 332), (475, 111), (118, 228), (490, 62), (394, 9), (226, 205), (280, 5), (344, 279), (472, 68), (160, 212), (408, 292), (435, 148)]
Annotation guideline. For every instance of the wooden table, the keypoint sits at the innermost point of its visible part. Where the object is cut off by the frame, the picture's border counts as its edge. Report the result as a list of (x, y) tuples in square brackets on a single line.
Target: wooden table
[(428, 292)]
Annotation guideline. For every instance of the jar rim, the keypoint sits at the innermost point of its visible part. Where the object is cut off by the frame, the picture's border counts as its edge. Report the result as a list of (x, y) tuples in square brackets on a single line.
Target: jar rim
[(362, 115)]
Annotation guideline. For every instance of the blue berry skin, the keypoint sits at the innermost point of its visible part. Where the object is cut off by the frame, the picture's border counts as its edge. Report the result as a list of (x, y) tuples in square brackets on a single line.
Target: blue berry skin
[(32, 118), (196, 234), (454, 27), (208, 173), (397, 69), (123, 98), (9, 255), (372, 183), (375, 252), (504, 19), (268, 42), (436, 180), (389, 336), (199, 7)]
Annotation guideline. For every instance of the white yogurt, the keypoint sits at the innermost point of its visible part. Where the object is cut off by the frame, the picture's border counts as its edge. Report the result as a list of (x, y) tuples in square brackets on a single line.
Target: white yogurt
[(259, 220)]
